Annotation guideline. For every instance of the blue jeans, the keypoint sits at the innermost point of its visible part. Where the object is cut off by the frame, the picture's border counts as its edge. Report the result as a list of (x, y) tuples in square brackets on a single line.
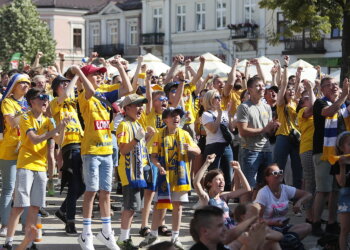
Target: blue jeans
[(97, 172), (76, 186), (283, 148), (224, 155), (254, 164), (8, 174)]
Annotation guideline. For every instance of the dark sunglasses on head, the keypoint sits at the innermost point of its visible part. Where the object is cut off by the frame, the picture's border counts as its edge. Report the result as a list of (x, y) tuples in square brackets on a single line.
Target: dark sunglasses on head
[(217, 97), (276, 172), (163, 98)]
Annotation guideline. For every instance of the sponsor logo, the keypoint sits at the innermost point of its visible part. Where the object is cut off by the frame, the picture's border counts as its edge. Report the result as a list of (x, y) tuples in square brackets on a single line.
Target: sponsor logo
[(101, 125)]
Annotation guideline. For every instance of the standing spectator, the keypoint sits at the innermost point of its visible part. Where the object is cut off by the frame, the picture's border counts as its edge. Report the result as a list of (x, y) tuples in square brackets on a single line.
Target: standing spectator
[(328, 116), (286, 112), (216, 144), (96, 148), (255, 125), (13, 106)]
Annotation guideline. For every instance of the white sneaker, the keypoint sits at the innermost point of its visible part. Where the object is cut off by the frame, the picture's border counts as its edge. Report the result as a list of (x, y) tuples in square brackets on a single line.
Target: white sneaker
[(108, 240), (86, 242), (177, 244), (3, 232)]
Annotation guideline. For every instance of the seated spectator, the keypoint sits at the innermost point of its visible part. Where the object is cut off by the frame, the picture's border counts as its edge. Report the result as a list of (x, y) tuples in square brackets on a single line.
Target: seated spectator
[(274, 198)]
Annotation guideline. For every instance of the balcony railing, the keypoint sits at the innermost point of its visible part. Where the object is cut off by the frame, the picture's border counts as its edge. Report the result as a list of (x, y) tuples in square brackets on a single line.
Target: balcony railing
[(107, 50), (302, 45), (153, 38), (245, 33)]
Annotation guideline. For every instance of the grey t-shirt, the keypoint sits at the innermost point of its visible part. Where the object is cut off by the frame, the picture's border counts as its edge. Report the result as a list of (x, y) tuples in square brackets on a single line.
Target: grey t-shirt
[(257, 116)]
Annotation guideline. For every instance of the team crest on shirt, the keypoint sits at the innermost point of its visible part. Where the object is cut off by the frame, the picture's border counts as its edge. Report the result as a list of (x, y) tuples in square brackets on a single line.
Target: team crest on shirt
[(101, 124)]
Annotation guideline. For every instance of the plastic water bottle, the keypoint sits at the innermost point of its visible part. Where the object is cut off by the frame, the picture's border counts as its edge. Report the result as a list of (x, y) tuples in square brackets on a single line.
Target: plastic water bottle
[(39, 226)]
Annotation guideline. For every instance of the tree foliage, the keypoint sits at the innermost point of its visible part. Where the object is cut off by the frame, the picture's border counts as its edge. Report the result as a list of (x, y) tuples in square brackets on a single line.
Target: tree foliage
[(21, 30), (317, 17)]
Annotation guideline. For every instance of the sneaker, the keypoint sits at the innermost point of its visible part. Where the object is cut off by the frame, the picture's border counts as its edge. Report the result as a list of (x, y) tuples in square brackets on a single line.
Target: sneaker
[(177, 244), (86, 242), (7, 246), (317, 229), (149, 240), (3, 232), (333, 228), (43, 212), (108, 240), (60, 215), (32, 247), (70, 229), (126, 245)]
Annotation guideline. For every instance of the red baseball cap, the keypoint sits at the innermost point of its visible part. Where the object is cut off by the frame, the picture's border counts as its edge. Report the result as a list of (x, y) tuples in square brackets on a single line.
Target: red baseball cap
[(90, 69)]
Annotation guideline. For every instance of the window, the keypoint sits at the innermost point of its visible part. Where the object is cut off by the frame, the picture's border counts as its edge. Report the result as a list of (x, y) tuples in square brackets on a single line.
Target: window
[(95, 34), (77, 35), (133, 33), (181, 18), (220, 14), (112, 32), (157, 20), (336, 33), (248, 11), (281, 22), (200, 16)]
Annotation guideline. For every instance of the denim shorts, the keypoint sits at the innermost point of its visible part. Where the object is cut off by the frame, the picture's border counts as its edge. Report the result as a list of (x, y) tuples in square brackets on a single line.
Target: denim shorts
[(344, 200), (97, 172)]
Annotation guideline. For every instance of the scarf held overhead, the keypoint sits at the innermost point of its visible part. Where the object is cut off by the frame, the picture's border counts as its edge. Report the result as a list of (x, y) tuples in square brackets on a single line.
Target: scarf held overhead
[(331, 130), (177, 174)]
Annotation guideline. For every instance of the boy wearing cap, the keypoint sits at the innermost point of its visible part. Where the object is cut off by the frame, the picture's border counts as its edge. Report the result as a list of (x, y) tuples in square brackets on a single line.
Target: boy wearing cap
[(13, 106), (30, 189), (133, 160), (96, 149), (62, 106), (170, 150)]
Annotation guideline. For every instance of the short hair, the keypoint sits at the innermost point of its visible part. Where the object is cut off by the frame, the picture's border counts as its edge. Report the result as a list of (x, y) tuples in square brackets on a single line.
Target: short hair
[(202, 218), (210, 176), (157, 93), (37, 77), (215, 78), (32, 93), (326, 79), (252, 81), (208, 97), (290, 77), (165, 245)]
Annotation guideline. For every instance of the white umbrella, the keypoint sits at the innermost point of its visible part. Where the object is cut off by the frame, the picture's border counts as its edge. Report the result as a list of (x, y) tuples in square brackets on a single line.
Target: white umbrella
[(266, 65), (336, 75), (308, 72), (213, 65), (153, 63)]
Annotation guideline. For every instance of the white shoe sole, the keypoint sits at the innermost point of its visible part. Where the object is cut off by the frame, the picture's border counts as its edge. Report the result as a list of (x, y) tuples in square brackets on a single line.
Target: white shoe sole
[(82, 244), (100, 237)]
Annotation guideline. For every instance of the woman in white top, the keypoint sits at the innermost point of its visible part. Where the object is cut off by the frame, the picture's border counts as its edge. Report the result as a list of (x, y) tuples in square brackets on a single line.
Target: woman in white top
[(215, 141), (274, 198)]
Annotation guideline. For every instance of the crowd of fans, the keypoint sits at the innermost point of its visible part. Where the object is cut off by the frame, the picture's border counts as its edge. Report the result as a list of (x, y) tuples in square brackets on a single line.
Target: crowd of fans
[(156, 136)]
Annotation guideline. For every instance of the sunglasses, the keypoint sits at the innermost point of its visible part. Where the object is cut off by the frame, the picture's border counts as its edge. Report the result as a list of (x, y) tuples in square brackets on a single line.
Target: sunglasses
[(173, 91), (163, 98), (276, 172), (42, 97), (217, 97)]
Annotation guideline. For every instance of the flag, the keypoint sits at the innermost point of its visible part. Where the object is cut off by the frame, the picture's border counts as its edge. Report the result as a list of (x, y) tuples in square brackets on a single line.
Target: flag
[(223, 45), (14, 62)]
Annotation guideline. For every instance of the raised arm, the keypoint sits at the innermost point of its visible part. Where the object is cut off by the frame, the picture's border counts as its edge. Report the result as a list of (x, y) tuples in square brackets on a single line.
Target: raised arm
[(68, 90), (309, 110), (36, 62), (149, 91), (125, 86), (231, 79), (259, 69), (200, 70), (283, 87), (169, 76), (198, 178), (180, 90), (137, 72)]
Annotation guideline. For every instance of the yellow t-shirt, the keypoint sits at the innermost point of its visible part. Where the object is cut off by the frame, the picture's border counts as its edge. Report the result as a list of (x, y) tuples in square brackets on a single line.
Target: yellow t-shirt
[(97, 138), (235, 98), (285, 127), (188, 104), (306, 126), (10, 143), (125, 134), (172, 148), (153, 120), (73, 132), (33, 157), (108, 87)]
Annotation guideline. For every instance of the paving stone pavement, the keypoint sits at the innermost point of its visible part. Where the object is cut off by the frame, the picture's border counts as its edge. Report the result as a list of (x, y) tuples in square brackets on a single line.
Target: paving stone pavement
[(56, 239)]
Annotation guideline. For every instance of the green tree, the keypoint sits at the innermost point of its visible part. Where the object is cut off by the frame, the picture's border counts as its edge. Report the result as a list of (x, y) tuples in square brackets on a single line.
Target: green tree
[(318, 17), (21, 30)]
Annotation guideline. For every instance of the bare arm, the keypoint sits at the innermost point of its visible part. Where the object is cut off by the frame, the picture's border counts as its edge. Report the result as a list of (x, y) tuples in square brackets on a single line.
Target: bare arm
[(170, 74), (214, 126), (126, 148), (68, 90), (35, 139), (231, 79), (200, 70), (283, 88), (37, 59), (309, 110), (89, 89), (259, 70), (137, 72), (148, 91)]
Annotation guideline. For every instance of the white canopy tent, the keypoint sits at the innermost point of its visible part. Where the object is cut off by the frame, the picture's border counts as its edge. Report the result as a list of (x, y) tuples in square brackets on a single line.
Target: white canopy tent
[(308, 72), (153, 63), (336, 75)]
